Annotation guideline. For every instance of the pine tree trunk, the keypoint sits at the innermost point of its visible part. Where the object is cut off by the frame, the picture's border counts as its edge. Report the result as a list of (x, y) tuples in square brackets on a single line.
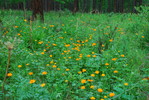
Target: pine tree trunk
[(134, 4), (37, 8), (122, 6), (140, 2), (76, 6), (115, 5), (109, 5), (24, 9), (100, 6), (94, 7)]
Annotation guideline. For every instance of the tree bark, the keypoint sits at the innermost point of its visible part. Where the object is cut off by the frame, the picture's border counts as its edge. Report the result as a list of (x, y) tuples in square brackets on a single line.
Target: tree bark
[(94, 7), (109, 5), (134, 4), (100, 6), (76, 6), (115, 5), (37, 8), (121, 6), (140, 2)]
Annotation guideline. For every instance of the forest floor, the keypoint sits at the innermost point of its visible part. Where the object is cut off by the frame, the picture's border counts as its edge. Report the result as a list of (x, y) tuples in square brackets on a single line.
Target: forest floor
[(74, 57)]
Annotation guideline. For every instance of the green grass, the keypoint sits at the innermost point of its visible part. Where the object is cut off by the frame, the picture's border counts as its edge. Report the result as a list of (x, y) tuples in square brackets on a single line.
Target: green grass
[(70, 50)]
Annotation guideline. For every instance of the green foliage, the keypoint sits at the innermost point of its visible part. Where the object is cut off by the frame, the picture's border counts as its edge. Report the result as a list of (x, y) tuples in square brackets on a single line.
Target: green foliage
[(71, 57)]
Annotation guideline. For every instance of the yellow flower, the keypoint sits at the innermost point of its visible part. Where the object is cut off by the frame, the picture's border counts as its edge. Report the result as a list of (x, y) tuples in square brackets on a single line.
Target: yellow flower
[(82, 87), (54, 44), (54, 66), (67, 45), (112, 94), (97, 72), (32, 81), (106, 64), (44, 73), (43, 84), (67, 69), (42, 53), (100, 90), (93, 44), (101, 99), (66, 81), (106, 33), (126, 84), (94, 55), (115, 71), (93, 75), (78, 41), (62, 53), (30, 73), (142, 36), (122, 55), (86, 40), (79, 72), (27, 64), (77, 58), (50, 55), (80, 56), (58, 69), (65, 51), (83, 81), (94, 29), (103, 75), (92, 98), (47, 64), (105, 96), (41, 42), (16, 26), (51, 25), (90, 80), (111, 40), (102, 45), (88, 56), (114, 59), (93, 52), (19, 66), (61, 37), (9, 74), (51, 62), (25, 20), (18, 34), (92, 87), (83, 70)]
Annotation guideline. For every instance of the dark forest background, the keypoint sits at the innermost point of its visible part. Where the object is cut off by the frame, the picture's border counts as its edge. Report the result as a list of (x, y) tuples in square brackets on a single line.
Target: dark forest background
[(94, 6)]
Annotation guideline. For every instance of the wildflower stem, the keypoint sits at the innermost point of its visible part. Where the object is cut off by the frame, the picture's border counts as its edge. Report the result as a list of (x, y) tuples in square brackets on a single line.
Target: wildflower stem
[(8, 64)]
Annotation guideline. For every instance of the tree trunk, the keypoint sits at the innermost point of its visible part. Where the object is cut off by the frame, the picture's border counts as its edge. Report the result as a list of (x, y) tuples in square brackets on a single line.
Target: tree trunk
[(134, 4), (100, 6), (140, 2), (109, 5), (76, 6), (94, 7), (37, 8), (121, 5), (24, 8)]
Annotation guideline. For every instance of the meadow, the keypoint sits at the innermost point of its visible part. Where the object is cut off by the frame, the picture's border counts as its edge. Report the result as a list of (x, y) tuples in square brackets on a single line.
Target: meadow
[(74, 57)]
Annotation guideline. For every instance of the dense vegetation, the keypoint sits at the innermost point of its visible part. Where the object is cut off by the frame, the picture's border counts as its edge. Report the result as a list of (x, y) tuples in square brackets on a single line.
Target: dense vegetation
[(74, 57), (77, 5)]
